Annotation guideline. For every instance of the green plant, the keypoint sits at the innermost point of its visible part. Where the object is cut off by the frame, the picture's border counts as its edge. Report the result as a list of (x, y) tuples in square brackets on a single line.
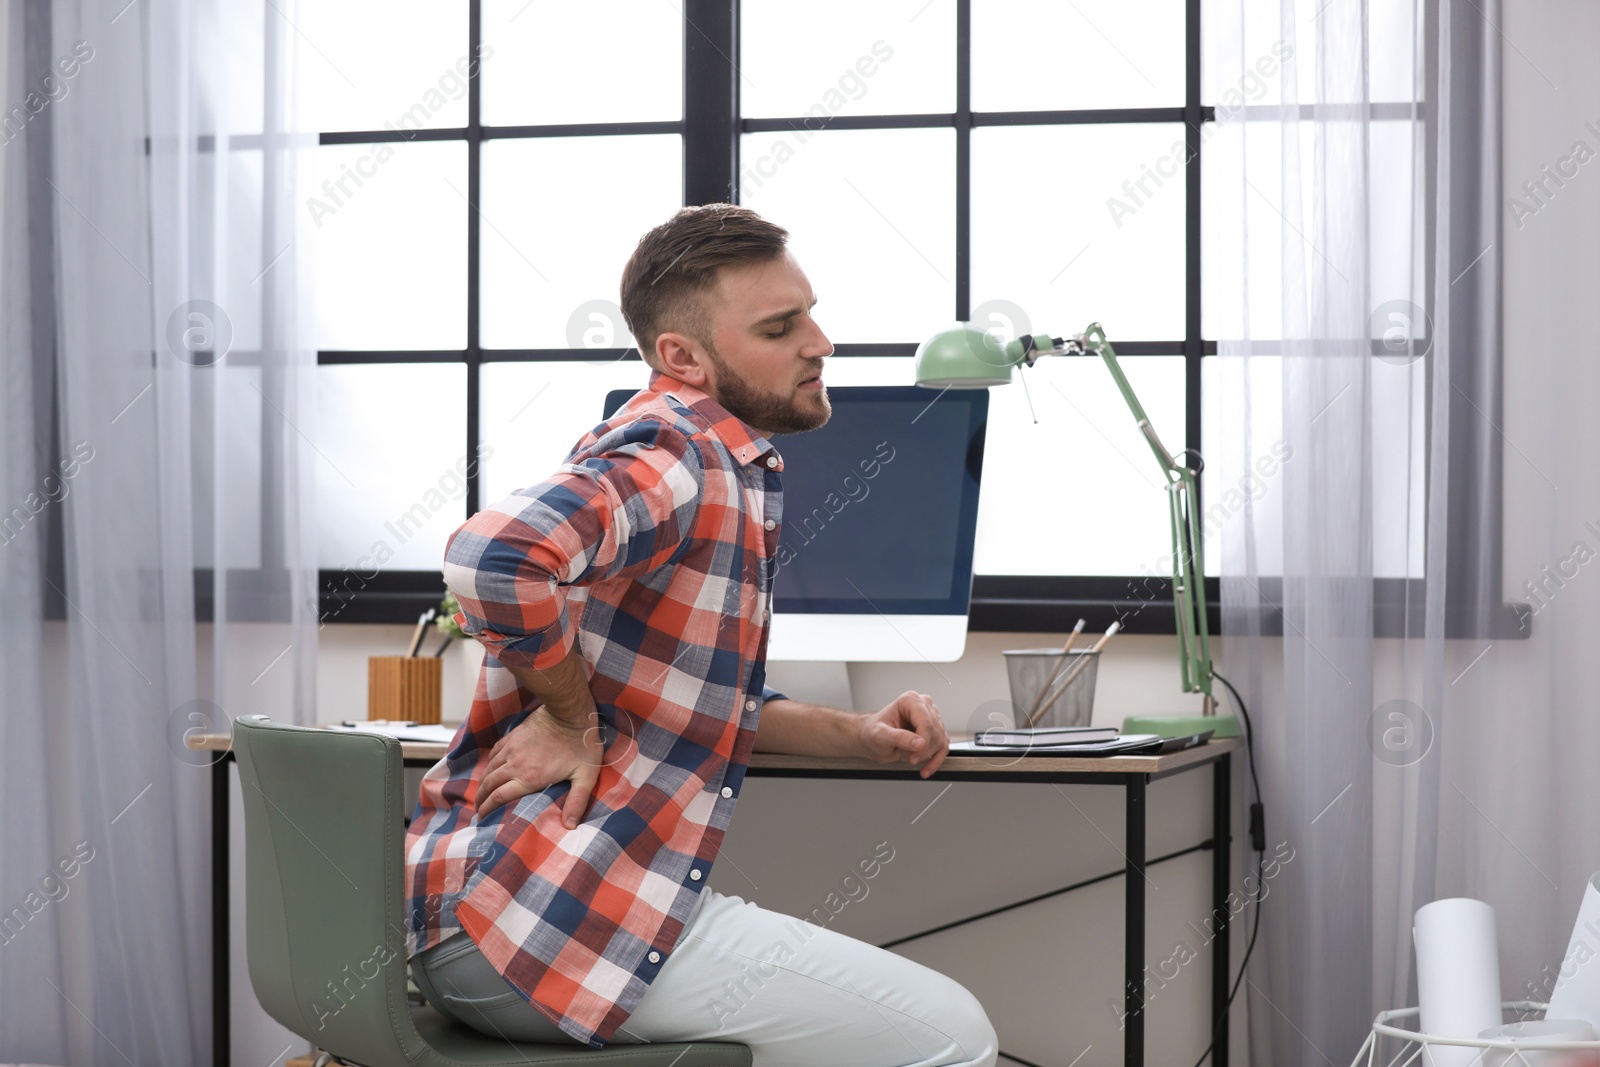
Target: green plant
[(446, 622)]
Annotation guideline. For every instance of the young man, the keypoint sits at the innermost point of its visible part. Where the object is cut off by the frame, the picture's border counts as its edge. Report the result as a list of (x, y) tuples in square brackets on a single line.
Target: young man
[(559, 854)]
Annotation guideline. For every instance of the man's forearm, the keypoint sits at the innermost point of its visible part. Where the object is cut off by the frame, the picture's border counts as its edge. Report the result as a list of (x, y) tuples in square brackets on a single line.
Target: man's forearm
[(563, 689), (808, 729)]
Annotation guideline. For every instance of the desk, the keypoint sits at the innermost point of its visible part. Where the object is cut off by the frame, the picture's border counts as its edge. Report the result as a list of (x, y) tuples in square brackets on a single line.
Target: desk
[(1132, 773)]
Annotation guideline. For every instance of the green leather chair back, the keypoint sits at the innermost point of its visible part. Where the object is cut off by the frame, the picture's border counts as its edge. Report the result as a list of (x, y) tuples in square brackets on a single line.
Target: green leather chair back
[(324, 817), (325, 933)]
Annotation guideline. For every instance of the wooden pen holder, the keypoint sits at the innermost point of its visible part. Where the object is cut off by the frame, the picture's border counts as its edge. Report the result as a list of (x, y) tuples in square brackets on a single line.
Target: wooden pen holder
[(405, 688)]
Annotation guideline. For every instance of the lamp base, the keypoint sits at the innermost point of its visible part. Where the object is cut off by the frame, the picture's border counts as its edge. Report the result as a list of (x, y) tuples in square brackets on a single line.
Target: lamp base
[(1182, 725)]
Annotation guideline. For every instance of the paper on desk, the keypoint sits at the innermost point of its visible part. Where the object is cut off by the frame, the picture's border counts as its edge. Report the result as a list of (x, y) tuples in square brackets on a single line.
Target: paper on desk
[(435, 734)]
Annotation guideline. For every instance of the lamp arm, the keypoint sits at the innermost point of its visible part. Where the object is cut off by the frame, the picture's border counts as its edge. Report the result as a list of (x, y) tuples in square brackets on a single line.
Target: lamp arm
[(1188, 565), (1094, 339)]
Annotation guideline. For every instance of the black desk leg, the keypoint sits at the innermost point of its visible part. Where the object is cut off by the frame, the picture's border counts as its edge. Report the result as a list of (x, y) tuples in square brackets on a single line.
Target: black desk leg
[(1133, 919), (1221, 855), (221, 1037)]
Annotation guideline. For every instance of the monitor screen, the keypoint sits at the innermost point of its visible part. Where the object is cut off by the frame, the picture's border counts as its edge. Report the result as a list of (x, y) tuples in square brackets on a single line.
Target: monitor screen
[(880, 504)]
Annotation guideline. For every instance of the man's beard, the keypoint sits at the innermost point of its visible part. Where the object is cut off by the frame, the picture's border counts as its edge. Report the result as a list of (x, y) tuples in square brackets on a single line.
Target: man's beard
[(768, 412)]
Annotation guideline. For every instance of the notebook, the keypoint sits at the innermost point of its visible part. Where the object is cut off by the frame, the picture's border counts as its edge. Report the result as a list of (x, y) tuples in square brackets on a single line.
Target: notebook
[(1047, 735)]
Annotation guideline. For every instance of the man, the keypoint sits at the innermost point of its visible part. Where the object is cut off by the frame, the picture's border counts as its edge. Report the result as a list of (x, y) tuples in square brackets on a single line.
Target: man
[(558, 856)]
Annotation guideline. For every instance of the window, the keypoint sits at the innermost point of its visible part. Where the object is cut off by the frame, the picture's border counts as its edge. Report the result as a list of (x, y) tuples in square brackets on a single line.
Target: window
[(466, 331), (928, 171)]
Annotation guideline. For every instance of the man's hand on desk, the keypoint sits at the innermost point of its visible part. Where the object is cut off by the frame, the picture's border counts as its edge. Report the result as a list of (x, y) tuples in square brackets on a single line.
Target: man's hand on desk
[(908, 730), (559, 741)]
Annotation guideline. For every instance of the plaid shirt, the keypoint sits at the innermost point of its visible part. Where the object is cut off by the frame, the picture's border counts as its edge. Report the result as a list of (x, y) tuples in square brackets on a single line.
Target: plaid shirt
[(652, 547)]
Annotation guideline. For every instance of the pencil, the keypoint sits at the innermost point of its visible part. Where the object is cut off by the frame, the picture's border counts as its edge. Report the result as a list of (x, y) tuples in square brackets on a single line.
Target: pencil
[(1050, 679), (1078, 667), (416, 636)]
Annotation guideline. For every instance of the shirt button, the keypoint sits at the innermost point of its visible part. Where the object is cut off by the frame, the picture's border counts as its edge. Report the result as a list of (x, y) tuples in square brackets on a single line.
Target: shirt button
[(694, 875), (772, 461), (727, 790), (749, 705), (769, 524), (655, 957)]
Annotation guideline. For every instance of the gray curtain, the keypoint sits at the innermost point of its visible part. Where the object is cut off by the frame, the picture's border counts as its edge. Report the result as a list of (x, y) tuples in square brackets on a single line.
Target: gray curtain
[(158, 563), (1421, 734)]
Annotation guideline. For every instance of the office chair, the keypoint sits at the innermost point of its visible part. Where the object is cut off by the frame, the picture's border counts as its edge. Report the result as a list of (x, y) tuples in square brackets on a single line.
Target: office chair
[(324, 912)]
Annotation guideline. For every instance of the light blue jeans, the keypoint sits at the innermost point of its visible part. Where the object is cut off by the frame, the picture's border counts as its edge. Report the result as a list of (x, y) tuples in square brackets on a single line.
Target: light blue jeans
[(798, 994)]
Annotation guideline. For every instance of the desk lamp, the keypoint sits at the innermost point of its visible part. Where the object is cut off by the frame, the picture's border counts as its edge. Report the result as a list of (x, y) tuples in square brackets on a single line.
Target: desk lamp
[(968, 358)]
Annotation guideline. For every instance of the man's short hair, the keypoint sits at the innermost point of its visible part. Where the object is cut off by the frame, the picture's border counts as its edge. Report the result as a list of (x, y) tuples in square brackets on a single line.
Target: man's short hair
[(668, 276)]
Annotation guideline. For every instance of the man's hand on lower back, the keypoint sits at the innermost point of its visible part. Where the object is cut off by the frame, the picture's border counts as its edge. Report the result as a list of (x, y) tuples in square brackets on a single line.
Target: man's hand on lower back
[(558, 742), (910, 729), (542, 751)]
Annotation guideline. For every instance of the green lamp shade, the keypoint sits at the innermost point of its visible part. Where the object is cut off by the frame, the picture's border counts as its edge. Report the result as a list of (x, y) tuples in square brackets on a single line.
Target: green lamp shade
[(966, 358)]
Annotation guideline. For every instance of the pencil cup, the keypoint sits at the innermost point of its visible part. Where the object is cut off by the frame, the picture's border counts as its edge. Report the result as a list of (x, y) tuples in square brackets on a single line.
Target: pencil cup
[(404, 687), (1028, 669)]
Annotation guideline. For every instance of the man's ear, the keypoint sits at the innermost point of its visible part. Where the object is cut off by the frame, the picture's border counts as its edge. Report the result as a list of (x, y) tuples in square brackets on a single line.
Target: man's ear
[(680, 358)]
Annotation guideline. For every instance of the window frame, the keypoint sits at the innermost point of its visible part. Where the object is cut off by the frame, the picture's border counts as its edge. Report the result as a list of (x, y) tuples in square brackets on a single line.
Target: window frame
[(712, 128)]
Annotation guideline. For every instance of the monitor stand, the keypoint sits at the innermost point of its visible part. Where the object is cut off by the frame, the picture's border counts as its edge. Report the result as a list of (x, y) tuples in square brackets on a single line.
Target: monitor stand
[(825, 682)]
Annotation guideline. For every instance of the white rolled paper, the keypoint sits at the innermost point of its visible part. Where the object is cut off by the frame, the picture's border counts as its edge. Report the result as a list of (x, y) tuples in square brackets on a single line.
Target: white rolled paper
[(1458, 975), (1533, 1032), (1577, 991)]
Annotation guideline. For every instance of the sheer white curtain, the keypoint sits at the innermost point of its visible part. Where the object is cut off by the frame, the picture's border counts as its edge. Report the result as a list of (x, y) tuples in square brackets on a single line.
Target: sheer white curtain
[(1293, 171), (156, 469), (1421, 735)]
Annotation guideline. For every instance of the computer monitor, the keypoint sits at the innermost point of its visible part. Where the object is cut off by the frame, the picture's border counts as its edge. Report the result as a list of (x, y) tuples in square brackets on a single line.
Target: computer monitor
[(880, 508)]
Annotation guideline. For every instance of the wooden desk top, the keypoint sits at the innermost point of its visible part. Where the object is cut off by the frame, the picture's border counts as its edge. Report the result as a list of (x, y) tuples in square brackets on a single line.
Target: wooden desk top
[(953, 765)]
